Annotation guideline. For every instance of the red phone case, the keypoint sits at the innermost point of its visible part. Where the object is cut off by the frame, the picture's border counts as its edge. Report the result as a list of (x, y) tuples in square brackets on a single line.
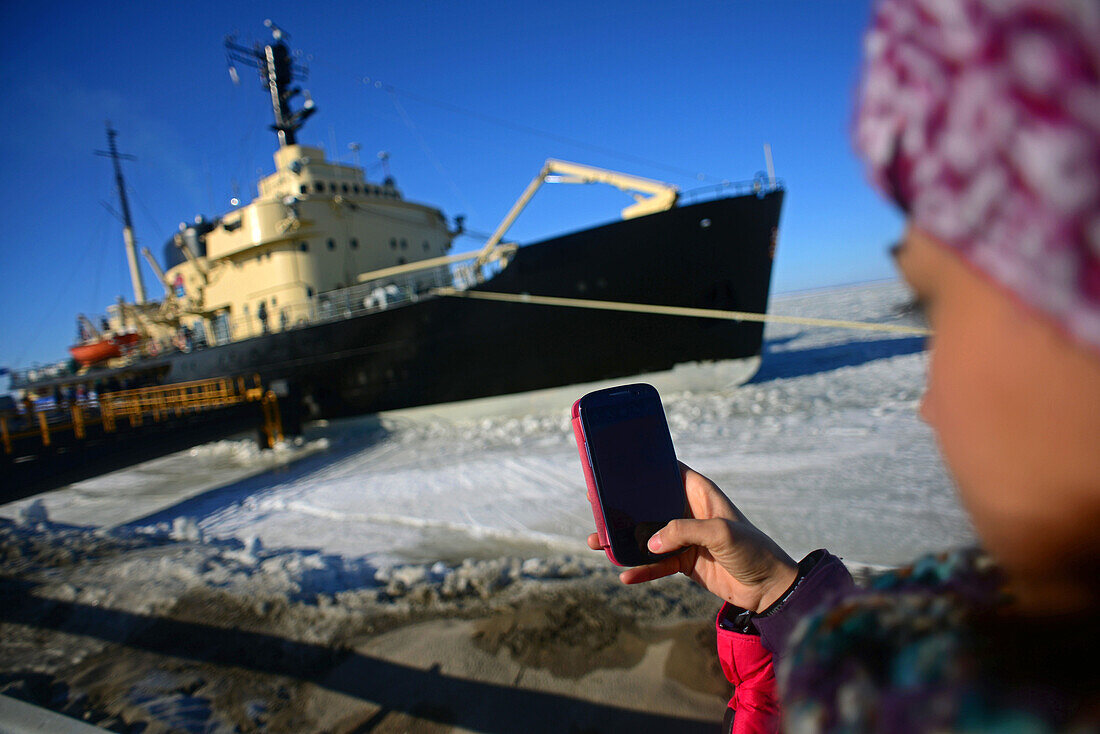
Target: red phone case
[(590, 480)]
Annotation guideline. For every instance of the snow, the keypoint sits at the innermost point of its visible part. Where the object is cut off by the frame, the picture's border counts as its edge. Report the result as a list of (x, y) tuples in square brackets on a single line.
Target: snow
[(822, 448)]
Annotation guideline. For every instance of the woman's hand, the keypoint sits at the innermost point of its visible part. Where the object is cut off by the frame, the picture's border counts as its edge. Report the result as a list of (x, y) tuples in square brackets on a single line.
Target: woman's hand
[(725, 553)]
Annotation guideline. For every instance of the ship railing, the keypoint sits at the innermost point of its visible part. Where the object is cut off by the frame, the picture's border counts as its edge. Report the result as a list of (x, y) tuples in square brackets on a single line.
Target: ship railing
[(39, 372), (760, 186), (343, 303)]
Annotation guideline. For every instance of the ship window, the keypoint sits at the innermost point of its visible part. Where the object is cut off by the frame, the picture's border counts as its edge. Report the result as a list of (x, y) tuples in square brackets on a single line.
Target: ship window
[(309, 292), (425, 245), (354, 243), (400, 261), (304, 247), (393, 243), (355, 188), (404, 244), (332, 244), (332, 187), (303, 189), (344, 188), (319, 187)]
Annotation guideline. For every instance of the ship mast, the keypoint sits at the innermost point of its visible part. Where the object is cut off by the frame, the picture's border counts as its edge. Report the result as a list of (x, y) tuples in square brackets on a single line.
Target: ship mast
[(277, 70), (127, 222)]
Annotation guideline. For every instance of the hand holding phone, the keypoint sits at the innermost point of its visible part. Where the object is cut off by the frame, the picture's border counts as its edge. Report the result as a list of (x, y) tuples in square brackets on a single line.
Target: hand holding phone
[(634, 482), (721, 550)]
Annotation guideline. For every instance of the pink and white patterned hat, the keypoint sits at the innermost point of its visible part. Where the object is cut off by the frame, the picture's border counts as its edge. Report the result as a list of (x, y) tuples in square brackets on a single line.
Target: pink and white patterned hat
[(981, 118)]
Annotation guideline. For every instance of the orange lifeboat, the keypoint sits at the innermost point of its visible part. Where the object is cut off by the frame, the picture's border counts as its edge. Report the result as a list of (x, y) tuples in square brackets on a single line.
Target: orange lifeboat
[(97, 351)]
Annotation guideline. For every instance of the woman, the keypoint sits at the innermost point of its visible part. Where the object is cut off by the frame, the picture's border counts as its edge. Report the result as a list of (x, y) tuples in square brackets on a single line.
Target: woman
[(981, 120)]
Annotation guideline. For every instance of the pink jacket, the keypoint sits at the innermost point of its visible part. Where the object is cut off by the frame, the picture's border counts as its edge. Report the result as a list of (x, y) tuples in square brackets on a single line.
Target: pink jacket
[(748, 665), (748, 659)]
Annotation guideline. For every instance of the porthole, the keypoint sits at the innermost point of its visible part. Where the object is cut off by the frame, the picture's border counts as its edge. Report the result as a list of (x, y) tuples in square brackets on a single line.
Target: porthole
[(355, 188), (426, 245), (344, 188), (303, 189), (400, 261), (319, 187), (393, 243), (332, 244), (303, 246), (404, 244), (332, 187), (309, 292), (354, 243)]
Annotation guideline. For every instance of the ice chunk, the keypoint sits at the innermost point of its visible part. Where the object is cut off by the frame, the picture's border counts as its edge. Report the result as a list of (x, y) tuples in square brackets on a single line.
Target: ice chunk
[(34, 513), (186, 529)]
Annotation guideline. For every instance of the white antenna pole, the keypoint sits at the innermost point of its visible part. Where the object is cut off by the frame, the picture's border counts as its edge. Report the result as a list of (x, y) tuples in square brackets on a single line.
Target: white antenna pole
[(768, 160)]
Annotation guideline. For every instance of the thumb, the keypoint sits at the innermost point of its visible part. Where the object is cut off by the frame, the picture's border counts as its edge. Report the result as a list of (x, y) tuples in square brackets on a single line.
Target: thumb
[(710, 534)]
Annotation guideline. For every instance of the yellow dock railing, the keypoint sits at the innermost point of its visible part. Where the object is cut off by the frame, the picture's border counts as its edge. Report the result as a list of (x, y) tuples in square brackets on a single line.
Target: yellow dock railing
[(159, 403)]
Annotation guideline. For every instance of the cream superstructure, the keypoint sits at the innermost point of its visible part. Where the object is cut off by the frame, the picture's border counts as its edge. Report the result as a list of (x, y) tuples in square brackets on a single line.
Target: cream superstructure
[(314, 228)]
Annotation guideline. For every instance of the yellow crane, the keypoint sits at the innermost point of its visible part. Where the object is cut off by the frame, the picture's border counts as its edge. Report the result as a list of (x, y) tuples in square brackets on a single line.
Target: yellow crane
[(649, 196)]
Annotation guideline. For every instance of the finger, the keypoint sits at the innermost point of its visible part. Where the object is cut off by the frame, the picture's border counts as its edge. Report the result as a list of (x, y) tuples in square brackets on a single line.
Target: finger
[(658, 570), (705, 498), (594, 542), (712, 534)]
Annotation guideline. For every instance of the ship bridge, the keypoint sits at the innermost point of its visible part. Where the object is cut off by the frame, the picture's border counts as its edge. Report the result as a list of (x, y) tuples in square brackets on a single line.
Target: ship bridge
[(314, 228)]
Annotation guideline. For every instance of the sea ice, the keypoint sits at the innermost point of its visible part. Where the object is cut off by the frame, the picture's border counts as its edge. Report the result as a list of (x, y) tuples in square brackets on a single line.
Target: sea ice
[(822, 448)]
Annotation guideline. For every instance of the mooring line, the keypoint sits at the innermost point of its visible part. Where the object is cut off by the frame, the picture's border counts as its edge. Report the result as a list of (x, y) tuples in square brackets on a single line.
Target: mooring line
[(707, 313)]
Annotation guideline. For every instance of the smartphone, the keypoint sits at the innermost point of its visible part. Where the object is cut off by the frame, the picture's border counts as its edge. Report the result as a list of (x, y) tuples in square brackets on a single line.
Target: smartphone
[(634, 482)]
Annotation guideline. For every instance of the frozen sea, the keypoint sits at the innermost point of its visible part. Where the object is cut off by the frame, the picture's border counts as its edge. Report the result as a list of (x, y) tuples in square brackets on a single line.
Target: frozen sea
[(822, 448)]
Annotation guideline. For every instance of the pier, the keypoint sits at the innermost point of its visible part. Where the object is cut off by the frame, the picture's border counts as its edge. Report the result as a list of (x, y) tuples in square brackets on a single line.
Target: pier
[(44, 449)]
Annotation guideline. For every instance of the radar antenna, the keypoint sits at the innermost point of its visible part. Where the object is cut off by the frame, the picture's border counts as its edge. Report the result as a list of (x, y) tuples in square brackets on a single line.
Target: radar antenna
[(278, 71)]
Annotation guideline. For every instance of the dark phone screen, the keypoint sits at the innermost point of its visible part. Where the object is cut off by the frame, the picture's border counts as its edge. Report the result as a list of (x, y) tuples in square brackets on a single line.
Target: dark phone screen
[(636, 472)]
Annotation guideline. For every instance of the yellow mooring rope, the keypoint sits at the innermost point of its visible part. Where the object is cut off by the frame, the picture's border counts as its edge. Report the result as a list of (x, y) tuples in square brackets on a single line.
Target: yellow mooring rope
[(707, 313)]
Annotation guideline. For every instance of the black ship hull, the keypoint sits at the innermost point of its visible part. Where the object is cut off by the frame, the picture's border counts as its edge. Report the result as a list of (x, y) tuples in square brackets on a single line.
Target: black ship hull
[(715, 254)]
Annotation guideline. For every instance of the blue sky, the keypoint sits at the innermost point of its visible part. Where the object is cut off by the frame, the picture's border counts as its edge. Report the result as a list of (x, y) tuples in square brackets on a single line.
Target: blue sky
[(659, 89)]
